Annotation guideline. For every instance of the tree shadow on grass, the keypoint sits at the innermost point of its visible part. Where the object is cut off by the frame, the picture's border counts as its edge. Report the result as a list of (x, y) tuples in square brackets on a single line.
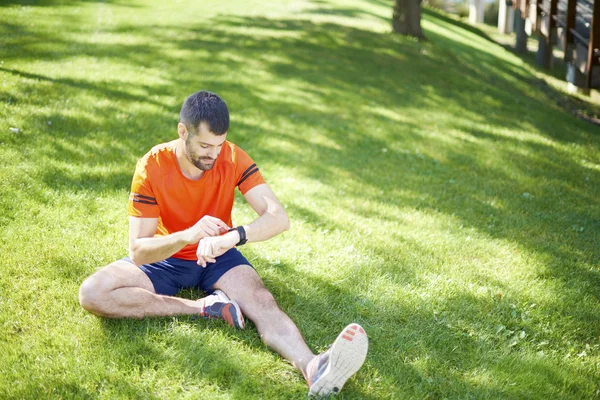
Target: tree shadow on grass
[(105, 90), (205, 352), (557, 69), (54, 388), (325, 8), (52, 3), (475, 185), (362, 68), (364, 89), (446, 335), (454, 21)]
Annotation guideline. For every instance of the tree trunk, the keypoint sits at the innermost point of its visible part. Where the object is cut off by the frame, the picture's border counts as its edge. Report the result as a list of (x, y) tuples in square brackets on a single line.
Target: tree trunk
[(406, 19)]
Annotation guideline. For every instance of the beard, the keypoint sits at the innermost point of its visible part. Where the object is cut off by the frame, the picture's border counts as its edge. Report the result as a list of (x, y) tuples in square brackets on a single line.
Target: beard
[(202, 163)]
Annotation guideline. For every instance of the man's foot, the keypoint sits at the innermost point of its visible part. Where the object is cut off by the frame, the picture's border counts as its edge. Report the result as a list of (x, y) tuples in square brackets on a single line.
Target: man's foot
[(218, 305), (327, 372)]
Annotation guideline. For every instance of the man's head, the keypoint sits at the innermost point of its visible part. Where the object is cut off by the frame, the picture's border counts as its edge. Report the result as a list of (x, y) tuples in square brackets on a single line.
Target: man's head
[(203, 126), (205, 107)]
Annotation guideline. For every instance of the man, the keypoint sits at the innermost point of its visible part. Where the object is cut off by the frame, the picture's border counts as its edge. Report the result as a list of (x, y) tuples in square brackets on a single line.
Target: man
[(180, 236)]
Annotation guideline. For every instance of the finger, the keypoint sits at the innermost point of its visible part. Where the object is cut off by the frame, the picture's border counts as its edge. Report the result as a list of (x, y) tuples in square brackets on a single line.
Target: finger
[(203, 248), (200, 258), (203, 260), (205, 231), (219, 223), (211, 231), (214, 228), (211, 228), (205, 253), (210, 249), (223, 225), (200, 251)]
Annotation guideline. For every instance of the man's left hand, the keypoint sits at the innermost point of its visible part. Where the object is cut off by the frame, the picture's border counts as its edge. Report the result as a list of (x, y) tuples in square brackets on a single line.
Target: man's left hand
[(209, 248)]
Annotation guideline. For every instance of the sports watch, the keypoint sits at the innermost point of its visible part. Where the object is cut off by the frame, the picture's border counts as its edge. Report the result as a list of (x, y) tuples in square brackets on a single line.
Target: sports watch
[(242, 233)]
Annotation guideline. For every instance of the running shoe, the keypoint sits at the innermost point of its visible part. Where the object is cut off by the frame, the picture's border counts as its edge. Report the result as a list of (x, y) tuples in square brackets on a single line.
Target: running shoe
[(219, 305), (328, 372)]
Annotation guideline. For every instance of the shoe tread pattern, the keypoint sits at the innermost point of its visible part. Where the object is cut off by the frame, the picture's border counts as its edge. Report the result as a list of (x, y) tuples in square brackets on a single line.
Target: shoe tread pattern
[(347, 355)]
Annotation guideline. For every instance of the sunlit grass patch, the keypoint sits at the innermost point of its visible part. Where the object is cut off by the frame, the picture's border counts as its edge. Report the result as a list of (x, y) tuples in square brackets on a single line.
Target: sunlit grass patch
[(437, 196)]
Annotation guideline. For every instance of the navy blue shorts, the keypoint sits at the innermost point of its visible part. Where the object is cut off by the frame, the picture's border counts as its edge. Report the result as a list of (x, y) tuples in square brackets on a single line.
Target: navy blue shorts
[(173, 274)]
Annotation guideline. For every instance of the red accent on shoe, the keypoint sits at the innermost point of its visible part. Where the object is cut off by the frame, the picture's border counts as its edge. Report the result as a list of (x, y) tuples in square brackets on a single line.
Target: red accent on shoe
[(362, 330), (344, 358), (227, 315)]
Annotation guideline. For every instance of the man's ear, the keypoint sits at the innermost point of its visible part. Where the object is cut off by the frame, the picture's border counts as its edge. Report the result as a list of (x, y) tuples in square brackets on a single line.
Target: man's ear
[(182, 130)]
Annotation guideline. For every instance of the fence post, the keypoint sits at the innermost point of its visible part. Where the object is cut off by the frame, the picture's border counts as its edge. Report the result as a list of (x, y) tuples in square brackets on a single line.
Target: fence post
[(521, 46), (506, 16), (592, 61)]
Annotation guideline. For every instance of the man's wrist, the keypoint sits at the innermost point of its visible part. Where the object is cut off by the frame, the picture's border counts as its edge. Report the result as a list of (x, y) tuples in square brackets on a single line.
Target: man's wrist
[(187, 236), (241, 232), (235, 235)]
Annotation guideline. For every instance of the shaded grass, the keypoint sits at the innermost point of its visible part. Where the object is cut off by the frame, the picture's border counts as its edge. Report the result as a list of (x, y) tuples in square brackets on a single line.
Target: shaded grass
[(460, 231)]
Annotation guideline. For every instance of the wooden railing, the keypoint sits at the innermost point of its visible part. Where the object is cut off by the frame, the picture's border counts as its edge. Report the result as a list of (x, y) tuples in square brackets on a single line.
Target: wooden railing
[(581, 48)]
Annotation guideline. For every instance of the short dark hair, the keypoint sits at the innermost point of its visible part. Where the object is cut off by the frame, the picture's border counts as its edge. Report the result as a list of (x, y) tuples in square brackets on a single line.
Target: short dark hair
[(206, 107)]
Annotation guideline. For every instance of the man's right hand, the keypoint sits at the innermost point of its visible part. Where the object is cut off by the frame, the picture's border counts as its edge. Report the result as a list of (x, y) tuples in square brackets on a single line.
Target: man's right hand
[(207, 226)]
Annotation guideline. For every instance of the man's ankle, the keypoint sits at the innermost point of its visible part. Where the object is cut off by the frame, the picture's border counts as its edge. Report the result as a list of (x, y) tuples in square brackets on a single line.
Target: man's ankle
[(205, 302), (308, 367)]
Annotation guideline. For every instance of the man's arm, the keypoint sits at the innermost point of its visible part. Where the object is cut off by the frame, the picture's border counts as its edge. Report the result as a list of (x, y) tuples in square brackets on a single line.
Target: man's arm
[(272, 220), (144, 248)]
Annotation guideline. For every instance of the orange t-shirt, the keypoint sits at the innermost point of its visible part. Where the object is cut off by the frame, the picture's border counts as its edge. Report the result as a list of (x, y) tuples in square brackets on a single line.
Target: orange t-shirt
[(160, 190)]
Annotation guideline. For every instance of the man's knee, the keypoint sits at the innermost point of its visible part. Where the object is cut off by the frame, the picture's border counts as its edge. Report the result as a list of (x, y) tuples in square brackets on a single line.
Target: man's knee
[(243, 285), (92, 292), (88, 297), (95, 291), (264, 300)]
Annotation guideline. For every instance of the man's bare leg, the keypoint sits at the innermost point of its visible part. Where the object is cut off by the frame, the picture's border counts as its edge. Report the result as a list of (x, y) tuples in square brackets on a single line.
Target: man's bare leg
[(122, 290), (276, 329)]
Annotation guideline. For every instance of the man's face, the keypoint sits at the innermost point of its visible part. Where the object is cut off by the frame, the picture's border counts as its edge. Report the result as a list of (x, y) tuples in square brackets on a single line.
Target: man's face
[(203, 147)]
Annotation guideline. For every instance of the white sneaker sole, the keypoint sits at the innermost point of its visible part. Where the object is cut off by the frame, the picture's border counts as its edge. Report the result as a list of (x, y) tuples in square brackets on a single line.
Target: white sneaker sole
[(346, 356), (224, 298)]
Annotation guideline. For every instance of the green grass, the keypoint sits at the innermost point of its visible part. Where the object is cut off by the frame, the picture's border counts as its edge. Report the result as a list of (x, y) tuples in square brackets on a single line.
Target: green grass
[(438, 196)]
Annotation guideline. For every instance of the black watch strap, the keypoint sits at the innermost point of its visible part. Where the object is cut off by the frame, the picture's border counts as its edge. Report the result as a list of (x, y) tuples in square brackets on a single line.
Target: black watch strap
[(242, 233)]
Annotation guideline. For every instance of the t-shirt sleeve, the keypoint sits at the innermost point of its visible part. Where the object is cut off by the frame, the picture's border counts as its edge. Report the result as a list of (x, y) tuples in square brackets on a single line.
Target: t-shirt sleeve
[(142, 202), (248, 174)]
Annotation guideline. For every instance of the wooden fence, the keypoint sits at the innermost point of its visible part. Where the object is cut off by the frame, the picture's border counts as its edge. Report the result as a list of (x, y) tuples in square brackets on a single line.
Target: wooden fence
[(573, 26)]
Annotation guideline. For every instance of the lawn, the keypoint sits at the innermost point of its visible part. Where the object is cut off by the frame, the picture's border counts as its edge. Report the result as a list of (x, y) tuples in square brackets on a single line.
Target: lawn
[(439, 195)]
